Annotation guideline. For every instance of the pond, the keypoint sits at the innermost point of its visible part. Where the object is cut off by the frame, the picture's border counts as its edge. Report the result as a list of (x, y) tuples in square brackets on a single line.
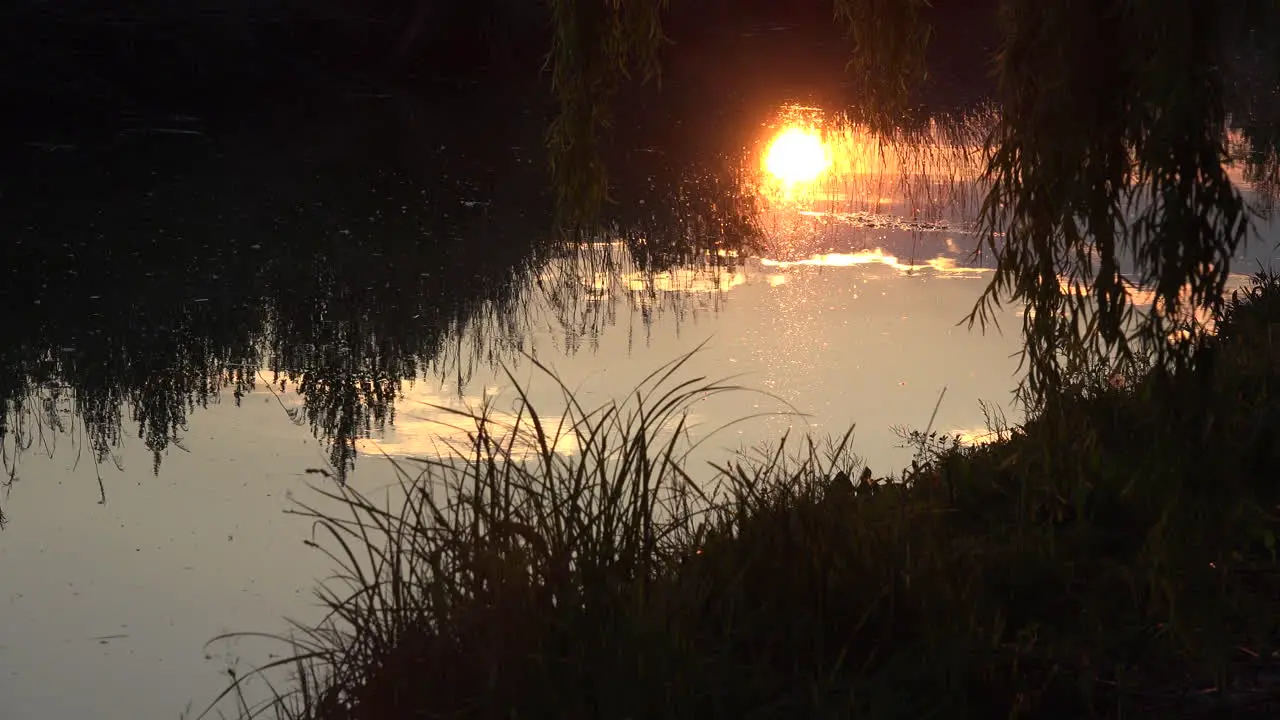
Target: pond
[(200, 321)]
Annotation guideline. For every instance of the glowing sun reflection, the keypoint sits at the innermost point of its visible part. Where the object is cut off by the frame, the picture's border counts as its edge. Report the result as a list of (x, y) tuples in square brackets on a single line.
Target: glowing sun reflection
[(797, 155)]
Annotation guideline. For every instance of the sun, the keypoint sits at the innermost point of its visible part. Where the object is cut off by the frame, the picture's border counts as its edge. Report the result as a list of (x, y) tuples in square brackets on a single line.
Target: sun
[(797, 155)]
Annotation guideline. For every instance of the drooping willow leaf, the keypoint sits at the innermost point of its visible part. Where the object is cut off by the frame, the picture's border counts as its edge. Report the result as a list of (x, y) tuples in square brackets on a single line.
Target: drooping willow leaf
[(1106, 171), (1110, 152)]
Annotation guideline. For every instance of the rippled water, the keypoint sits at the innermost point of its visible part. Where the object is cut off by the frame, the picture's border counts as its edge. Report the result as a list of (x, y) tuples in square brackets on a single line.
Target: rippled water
[(209, 322)]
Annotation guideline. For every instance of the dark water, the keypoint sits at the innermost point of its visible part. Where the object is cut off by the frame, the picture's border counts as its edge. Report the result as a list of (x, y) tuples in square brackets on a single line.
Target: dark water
[(197, 315)]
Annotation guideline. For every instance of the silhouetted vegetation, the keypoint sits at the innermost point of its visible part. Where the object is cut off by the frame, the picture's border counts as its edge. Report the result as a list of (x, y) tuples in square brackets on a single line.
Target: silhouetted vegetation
[(1111, 556), (1136, 173), (1119, 563), (1252, 98)]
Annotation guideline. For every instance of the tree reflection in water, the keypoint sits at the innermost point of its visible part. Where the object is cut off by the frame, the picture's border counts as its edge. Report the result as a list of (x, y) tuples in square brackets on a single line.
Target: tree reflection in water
[(152, 279), (146, 280)]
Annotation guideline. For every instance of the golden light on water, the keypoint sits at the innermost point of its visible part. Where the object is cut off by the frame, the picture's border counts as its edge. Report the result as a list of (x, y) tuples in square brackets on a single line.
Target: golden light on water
[(797, 155), (940, 266), (810, 159)]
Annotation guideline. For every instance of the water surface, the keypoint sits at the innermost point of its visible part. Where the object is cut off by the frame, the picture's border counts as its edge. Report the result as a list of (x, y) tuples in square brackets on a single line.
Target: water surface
[(196, 320)]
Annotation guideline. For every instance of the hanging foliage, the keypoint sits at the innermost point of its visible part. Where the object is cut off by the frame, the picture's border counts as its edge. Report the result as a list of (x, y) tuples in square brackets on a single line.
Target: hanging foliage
[(1106, 171), (887, 60), (596, 45), (1110, 150)]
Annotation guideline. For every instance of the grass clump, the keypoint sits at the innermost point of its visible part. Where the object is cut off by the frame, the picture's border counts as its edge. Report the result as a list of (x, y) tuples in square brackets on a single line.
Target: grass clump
[(1116, 562)]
